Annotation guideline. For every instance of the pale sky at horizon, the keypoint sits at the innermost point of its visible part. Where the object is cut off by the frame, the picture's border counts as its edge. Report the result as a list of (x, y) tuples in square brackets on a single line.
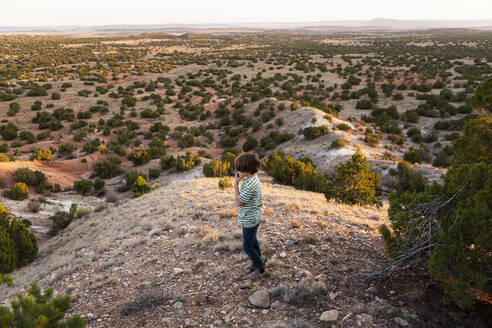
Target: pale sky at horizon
[(113, 12)]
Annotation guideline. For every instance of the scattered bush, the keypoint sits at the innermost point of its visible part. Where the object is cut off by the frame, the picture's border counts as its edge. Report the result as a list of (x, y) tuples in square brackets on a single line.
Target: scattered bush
[(19, 191), (140, 186), (167, 162), (43, 154), (188, 161), (313, 132), (83, 187)]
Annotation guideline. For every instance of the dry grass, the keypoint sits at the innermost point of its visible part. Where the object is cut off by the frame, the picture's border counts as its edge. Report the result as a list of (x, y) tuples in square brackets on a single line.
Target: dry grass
[(227, 213), (208, 235), (295, 224), (121, 226)]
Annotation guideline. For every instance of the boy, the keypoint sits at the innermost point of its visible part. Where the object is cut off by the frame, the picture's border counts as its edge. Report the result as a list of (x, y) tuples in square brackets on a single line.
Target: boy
[(249, 201)]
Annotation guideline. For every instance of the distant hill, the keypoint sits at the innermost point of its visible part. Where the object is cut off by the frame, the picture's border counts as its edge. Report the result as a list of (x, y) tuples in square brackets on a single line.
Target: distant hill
[(385, 23)]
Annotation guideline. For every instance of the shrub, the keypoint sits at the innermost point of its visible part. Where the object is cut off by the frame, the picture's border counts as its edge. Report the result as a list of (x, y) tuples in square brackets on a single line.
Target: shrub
[(43, 154), (140, 186), (417, 155), (372, 139), (299, 173), (140, 157), (30, 178), (8, 255), (250, 143), (4, 158), (8, 132), (344, 127), (338, 143), (229, 142), (186, 141), (187, 162), (217, 169), (154, 173), (131, 177), (108, 168), (313, 132), (38, 309), (19, 191), (225, 182), (99, 184), (355, 183), (25, 243), (55, 96), (18, 246), (66, 148), (167, 162), (83, 187)]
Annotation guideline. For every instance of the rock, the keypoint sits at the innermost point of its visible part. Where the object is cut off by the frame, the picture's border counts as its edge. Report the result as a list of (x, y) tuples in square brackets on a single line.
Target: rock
[(39, 229), (372, 290), (177, 270), (178, 305), (282, 254), (334, 295), (401, 322), (260, 299), (321, 277), (364, 319), (217, 322), (206, 314), (331, 315)]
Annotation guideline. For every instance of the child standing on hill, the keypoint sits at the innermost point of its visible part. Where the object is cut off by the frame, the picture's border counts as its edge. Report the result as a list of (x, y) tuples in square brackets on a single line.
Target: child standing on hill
[(249, 201)]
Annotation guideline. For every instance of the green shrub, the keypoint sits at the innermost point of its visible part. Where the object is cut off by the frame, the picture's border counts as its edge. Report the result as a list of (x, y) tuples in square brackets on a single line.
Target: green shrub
[(108, 168), (66, 148), (313, 132), (18, 246), (299, 173), (217, 169), (83, 187), (338, 143), (355, 183), (344, 127), (25, 243), (417, 155), (167, 162), (154, 173), (19, 191), (37, 309), (140, 157), (187, 162), (8, 132), (250, 143), (31, 178), (131, 177), (8, 254)]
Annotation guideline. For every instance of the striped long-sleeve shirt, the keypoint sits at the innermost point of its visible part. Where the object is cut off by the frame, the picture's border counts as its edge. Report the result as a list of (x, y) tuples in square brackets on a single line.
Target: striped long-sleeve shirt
[(249, 214)]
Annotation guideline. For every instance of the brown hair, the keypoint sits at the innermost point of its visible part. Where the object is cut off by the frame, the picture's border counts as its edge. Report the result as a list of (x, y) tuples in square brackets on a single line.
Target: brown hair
[(248, 162)]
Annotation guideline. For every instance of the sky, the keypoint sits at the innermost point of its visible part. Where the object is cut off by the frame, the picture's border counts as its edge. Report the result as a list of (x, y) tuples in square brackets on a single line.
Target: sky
[(131, 12)]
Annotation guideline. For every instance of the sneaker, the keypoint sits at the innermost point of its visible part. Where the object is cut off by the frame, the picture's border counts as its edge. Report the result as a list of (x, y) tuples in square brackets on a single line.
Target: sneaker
[(254, 275)]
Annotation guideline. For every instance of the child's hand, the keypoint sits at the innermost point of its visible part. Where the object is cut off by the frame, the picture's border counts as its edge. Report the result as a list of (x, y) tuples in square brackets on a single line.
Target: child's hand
[(237, 178)]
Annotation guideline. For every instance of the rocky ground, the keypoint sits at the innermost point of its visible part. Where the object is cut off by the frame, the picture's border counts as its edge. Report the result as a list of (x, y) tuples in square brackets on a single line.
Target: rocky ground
[(173, 258)]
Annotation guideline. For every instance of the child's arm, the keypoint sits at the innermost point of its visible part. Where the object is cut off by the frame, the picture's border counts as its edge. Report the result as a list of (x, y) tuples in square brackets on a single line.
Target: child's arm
[(236, 191)]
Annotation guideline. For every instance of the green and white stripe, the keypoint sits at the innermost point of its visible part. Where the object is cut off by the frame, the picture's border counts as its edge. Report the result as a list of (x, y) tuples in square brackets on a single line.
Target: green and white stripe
[(249, 215)]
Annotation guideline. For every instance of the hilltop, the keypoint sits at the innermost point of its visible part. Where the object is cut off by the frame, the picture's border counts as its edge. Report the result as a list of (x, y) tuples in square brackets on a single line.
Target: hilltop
[(173, 258)]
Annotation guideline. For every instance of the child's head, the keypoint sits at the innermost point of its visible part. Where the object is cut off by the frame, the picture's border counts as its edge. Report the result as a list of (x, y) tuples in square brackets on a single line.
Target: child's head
[(248, 163)]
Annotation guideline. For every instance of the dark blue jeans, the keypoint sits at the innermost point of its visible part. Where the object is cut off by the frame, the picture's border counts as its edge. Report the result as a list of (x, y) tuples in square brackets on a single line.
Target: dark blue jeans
[(251, 247)]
